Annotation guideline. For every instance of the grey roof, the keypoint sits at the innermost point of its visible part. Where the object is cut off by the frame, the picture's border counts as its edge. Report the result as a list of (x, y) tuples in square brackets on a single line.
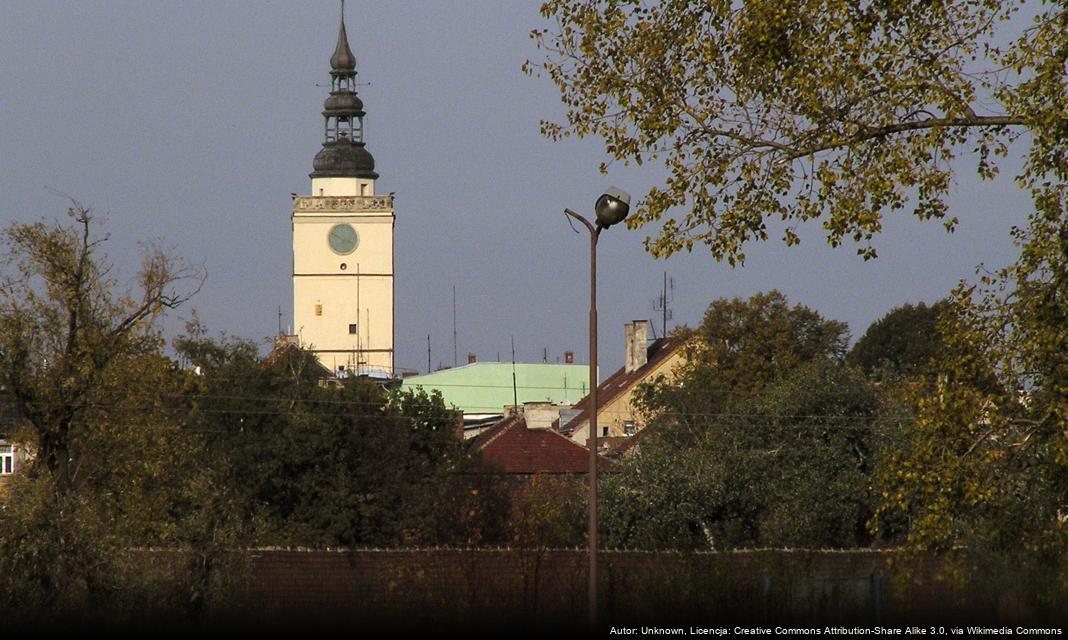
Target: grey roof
[(343, 103), (344, 159)]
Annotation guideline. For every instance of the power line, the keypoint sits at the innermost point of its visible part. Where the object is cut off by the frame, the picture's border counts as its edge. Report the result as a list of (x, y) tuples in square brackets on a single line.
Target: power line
[(841, 421)]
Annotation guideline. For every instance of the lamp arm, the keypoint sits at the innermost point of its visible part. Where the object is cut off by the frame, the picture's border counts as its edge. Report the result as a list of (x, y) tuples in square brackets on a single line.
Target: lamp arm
[(583, 220)]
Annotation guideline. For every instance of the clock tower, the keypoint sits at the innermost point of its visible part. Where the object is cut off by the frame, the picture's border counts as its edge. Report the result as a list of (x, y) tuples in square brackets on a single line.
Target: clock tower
[(343, 240)]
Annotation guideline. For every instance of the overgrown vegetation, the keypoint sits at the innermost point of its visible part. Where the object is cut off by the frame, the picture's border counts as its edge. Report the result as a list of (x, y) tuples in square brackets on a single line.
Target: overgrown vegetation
[(767, 114), (943, 431), (765, 438), (207, 452)]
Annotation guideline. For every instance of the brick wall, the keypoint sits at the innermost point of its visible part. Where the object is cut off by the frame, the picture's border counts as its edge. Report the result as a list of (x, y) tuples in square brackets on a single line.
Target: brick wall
[(506, 589)]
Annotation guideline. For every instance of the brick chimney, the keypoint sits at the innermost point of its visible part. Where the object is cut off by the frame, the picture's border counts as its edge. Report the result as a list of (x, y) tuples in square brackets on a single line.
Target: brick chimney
[(472, 358), (569, 357), (636, 335)]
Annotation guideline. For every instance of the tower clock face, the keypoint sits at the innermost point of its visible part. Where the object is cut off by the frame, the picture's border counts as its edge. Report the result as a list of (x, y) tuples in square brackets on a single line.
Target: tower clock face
[(343, 239)]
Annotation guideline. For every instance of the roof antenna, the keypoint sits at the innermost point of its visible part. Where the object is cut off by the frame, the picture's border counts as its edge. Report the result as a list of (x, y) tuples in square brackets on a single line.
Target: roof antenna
[(515, 394), (663, 303)]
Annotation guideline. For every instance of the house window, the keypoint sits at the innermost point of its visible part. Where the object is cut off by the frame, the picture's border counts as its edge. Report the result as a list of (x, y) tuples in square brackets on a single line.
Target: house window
[(604, 432), (628, 427), (567, 415), (7, 460)]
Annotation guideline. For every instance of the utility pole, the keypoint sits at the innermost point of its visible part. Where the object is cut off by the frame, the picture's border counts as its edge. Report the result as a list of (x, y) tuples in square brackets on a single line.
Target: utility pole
[(455, 358), (515, 392)]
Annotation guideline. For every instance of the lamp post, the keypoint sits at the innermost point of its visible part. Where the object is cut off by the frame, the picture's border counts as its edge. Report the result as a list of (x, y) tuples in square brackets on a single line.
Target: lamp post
[(612, 207)]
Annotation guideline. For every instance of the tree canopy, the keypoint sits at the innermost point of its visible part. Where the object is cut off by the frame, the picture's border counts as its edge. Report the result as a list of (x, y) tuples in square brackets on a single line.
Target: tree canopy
[(902, 343), (764, 437), (334, 463), (787, 467), (740, 347), (99, 407), (985, 463), (829, 110)]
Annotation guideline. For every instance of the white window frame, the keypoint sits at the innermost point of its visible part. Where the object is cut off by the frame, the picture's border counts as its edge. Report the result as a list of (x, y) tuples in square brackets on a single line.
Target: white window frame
[(8, 463)]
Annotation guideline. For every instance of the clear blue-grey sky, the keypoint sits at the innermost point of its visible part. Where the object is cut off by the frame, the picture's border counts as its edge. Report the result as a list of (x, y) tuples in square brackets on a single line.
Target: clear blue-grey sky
[(192, 123)]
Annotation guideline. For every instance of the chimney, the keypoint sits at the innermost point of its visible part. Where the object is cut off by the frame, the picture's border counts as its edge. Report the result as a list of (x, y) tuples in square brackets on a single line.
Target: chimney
[(540, 415), (628, 344), (636, 335), (472, 358), (285, 339), (569, 357)]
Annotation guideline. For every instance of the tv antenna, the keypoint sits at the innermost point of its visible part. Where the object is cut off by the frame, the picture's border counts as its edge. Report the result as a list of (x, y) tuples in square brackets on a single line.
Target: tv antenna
[(663, 302)]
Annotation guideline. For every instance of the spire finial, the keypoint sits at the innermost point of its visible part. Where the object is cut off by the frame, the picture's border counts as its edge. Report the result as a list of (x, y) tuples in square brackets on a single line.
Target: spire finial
[(342, 60)]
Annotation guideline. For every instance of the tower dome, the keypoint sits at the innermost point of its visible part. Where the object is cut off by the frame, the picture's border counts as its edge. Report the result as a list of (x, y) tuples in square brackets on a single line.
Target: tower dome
[(343, 154)]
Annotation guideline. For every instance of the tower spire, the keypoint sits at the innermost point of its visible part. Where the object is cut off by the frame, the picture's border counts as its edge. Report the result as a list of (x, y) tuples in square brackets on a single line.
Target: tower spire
[(342, 60), (343, 154)]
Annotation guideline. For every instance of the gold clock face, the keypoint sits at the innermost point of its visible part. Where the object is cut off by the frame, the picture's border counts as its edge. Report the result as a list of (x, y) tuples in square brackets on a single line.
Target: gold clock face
[(343, 239)]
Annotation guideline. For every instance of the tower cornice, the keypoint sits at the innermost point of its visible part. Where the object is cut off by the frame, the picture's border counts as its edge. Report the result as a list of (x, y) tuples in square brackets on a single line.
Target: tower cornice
[(341, 204)]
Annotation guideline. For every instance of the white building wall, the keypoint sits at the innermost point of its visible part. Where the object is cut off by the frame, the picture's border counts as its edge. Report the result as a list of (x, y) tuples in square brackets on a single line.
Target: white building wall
[(332, 291)]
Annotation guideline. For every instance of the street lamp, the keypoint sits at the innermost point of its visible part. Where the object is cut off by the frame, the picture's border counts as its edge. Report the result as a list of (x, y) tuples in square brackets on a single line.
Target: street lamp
[(611, 208)]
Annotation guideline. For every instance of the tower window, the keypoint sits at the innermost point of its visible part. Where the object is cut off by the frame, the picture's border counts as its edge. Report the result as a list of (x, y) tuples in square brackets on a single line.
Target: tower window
[(354, 329), (318, 309)]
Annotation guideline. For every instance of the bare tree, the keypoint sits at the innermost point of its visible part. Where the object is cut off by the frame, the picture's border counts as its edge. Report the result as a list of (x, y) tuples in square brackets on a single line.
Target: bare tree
[(64, 324)]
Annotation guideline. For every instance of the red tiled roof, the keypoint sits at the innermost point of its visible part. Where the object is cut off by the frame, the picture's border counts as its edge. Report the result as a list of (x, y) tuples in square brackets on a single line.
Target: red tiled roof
[(510, 447), (290, 352), (620, 381), (479, 441)]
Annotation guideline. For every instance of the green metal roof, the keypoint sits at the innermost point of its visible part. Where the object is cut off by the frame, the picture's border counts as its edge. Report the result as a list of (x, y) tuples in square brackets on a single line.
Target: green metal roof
[(486, 387)]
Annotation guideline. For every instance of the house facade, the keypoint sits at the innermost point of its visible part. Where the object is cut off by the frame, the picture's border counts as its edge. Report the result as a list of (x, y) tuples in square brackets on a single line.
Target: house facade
[(11, 456), (616, 415)]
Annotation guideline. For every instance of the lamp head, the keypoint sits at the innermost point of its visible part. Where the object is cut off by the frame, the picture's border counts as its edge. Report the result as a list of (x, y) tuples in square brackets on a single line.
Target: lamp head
[(612, 207)]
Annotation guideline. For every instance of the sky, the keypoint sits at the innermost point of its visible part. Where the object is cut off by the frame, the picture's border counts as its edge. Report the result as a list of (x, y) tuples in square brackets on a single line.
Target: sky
[(189, 124)]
